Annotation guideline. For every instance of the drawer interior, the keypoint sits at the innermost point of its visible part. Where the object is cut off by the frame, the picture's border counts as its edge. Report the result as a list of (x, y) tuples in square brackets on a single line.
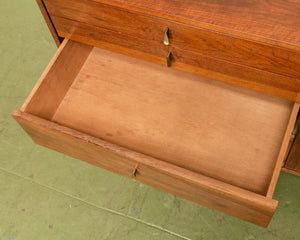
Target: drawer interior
[(221, 131)]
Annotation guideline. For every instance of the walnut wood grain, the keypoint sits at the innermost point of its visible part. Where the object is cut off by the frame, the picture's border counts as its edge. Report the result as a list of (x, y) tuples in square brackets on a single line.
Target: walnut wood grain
[(274, 22), (167, 177), (225, 71), (209, 43)]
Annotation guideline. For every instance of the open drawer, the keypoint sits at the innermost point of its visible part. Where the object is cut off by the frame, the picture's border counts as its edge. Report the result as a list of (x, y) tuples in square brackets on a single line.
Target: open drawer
[(212, 143)]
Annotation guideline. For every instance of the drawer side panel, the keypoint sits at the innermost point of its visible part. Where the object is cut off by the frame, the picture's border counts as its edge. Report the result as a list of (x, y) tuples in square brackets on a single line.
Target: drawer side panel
[(293, 161)]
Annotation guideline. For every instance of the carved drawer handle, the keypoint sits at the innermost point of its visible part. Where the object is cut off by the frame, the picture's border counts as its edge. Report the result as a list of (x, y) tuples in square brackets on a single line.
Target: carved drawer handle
[(134, 172), (166, 37), (169, 59)]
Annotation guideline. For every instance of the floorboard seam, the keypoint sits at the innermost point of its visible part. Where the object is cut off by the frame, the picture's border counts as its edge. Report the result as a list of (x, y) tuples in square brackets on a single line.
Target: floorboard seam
[(99, 207)]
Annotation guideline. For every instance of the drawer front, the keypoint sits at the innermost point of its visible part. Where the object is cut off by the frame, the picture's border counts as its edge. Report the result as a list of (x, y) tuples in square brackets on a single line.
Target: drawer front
[(249, 53), (236, 74), (206, 191)]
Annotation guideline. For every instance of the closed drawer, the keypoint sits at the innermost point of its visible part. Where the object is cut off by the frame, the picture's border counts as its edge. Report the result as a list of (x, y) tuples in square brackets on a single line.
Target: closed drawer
[(271, 69), (212, 143)]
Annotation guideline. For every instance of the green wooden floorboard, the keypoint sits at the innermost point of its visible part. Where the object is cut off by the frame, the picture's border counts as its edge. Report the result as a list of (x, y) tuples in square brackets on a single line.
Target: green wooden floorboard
[(46, 195)]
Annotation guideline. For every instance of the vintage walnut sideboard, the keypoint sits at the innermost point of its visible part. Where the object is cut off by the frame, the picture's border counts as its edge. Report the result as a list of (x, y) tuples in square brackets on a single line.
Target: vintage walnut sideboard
[(194, 97)]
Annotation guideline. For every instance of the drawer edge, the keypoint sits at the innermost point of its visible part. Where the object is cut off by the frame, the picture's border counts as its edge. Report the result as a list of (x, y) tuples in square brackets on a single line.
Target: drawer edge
[(206, 191), (45, 13)]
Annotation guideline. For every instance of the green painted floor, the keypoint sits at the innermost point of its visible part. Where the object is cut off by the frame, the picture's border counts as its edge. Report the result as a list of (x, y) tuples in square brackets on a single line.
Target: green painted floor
[(46, 195)]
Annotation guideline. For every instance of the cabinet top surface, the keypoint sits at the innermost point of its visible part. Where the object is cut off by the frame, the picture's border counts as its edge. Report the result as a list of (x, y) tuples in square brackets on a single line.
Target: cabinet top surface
[(274, 22)]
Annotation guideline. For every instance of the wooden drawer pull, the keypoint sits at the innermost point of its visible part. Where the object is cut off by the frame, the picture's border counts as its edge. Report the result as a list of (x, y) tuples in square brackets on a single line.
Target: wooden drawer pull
[(169, 59), (166, 37), (134, 173)]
